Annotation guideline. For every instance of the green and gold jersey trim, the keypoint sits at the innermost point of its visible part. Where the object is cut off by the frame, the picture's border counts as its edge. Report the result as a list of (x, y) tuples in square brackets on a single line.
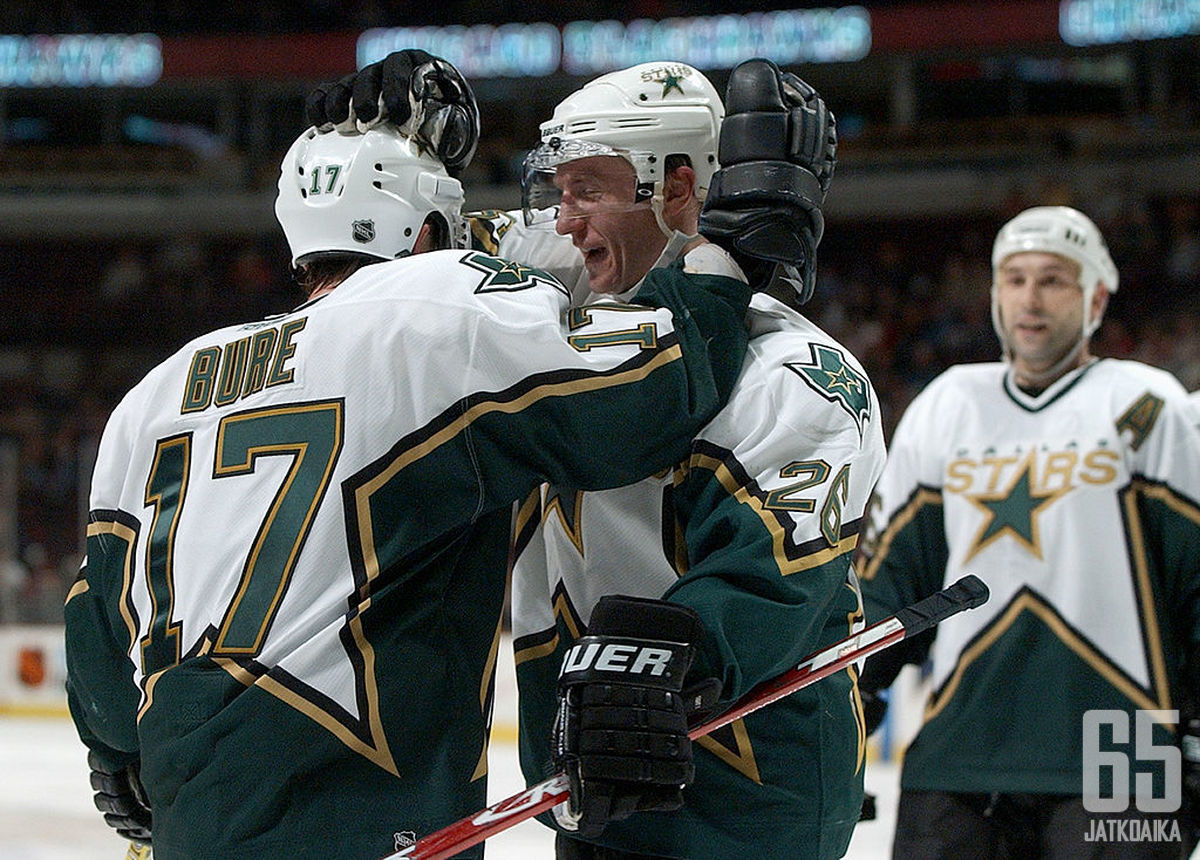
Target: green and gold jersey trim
[(1029, 601), (455, 421), (536, 646), (874, 552), (104, 526), (1132, 498)]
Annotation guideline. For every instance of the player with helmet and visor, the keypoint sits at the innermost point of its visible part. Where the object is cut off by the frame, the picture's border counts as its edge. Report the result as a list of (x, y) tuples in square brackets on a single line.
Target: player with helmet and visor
[(281, 642), (613, 198), (1070, 485), (743, 549)]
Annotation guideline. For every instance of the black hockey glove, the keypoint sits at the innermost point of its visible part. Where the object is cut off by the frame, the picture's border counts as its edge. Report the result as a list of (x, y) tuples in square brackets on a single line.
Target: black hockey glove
[(120, 796), (622, 723), (328, 106), (424, 96), (777, 151), (875, 705)]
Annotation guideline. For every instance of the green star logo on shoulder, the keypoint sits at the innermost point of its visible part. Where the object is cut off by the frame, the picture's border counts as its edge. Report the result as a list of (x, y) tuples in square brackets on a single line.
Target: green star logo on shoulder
[(501, 275), (836, 381), (1013, 511)]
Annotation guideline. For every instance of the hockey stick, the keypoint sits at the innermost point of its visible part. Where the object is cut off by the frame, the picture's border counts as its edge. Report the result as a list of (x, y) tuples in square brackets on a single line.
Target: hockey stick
[(967, 593)]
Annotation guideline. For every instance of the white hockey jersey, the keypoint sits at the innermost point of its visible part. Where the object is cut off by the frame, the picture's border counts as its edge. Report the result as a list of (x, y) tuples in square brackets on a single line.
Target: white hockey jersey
[(1078, 508), (505, 233), (299, 531), (755, 530)]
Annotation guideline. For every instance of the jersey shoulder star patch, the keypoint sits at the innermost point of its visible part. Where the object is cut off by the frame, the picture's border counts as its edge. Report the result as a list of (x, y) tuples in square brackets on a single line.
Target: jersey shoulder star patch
[(501, 275), (830, 376)]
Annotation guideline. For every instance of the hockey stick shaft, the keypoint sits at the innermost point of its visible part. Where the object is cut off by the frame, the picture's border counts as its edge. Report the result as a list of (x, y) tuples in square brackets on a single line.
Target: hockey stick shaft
[(967, 593)]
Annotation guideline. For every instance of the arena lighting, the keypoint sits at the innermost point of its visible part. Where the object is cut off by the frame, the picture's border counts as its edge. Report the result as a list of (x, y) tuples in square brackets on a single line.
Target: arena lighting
[(592, 47), (1104, 22), (481, 51), (80, 60)]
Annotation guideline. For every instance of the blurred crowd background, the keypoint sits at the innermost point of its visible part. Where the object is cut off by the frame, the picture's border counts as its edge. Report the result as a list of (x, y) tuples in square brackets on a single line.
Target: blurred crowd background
[(132, 219)]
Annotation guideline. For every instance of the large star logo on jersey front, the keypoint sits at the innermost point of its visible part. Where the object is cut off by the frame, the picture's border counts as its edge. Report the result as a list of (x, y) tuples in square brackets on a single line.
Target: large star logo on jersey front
[(831, 377), (1013, 511), (501, 275)]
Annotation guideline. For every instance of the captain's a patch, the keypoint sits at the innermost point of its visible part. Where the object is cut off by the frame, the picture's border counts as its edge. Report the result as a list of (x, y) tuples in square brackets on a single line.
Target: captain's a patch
[(830, 376)]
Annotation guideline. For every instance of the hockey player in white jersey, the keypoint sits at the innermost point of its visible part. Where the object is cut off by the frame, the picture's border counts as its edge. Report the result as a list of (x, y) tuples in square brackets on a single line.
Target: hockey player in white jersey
[(286, 623), (753, 532), (1070, 485)]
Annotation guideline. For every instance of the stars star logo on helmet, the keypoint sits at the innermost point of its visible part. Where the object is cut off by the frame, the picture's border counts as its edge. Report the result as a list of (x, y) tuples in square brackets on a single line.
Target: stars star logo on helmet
[(502, 275), (831, 377), (671, 82), (671, 78)]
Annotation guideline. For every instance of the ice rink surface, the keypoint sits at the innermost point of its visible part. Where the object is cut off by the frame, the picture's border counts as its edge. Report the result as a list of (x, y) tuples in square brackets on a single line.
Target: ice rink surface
[(46, 810)]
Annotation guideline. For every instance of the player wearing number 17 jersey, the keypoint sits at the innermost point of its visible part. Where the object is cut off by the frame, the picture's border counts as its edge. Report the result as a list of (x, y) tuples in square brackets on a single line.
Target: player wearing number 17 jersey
[(290, 607)]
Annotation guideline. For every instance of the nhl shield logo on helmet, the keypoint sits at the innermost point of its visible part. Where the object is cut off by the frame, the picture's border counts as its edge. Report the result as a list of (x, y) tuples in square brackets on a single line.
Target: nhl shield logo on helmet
[(363, 231)]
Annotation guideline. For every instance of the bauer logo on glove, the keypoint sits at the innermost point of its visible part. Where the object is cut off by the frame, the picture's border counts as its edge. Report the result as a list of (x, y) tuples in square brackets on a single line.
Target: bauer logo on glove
[(628, 656)]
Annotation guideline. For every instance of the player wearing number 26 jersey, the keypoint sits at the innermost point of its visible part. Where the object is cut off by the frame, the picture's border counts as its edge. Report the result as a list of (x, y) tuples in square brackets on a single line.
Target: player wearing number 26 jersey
[(290, 607), (755, 530)]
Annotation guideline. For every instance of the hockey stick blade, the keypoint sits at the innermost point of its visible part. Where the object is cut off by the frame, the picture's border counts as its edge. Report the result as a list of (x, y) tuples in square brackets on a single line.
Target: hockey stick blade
[(966, 593)]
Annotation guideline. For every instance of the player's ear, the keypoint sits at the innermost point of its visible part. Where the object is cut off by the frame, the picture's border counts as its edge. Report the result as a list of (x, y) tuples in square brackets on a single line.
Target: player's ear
[(425, 240), (1099, 302), (679, 188)]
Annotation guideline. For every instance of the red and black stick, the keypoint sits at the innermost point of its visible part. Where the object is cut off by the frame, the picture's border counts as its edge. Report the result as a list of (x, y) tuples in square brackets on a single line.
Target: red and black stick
[(967, 593)]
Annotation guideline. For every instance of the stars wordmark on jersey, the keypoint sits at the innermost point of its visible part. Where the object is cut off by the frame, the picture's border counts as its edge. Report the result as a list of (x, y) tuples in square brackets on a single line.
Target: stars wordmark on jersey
[(1013, 511)]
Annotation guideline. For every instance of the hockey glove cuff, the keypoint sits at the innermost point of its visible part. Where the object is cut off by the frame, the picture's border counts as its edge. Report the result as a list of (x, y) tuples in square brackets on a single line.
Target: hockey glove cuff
[(622, 723)]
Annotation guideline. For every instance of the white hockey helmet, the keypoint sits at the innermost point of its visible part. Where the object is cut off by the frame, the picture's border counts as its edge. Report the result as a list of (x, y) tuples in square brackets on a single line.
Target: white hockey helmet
[(644, 114), (1064, 231), (362, 194)]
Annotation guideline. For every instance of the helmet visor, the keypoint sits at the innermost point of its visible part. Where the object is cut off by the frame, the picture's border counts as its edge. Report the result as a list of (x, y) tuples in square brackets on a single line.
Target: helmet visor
[(580, 179)]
